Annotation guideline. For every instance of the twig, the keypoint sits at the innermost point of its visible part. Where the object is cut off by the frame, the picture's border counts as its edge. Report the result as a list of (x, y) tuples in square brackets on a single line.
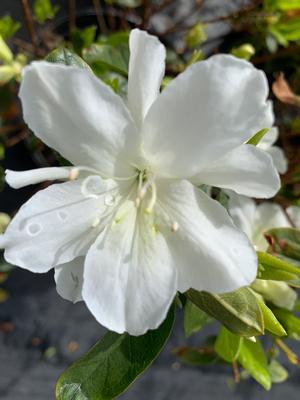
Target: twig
[(236, 372), (160, 7), (72, 15), (146, 13), (30, 26), (4, 130), (100, 16)]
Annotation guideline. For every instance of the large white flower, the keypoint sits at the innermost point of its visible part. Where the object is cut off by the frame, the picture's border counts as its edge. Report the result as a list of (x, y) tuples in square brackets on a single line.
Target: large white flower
[(254, 221), (129, 229), (277, 154)]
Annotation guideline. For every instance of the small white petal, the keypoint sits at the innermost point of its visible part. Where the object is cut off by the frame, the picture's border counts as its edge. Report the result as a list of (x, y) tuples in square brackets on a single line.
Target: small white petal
[(69, 279), (294, 214), (73, 112), (212, 107), (19, 179), (54, 226), (210, 253), (129, 277), (267, 216), (146, 70), (279, 159), (246, 169)]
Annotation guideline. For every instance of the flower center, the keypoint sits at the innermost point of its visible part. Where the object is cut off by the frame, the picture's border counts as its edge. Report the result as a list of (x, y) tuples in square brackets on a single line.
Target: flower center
[(146, 185)]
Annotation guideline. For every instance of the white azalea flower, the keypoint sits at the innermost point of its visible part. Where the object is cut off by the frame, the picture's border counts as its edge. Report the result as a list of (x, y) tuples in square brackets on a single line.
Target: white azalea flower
[(130, 229), (277, 154), (254, 221)]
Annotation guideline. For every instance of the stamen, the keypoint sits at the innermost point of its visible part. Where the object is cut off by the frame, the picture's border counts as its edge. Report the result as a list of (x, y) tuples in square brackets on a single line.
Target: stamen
[(152, 202), (74, 173), (174, 226)]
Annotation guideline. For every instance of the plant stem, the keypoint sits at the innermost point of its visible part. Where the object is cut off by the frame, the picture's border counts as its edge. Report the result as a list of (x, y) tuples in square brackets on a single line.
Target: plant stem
[(100, 16), (30, 26), (72, 15)]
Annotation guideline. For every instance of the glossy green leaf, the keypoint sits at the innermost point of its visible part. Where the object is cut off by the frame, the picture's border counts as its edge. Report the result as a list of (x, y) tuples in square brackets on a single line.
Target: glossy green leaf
[(43, 10), (252, 358), (268, 260), (66, 57), (112, 364), (83, 38), (270, 321), (228, 345), (112, 58), (8, 27), (283, 5), (194, 319), (269, 273), (238, 311), (277, 372), (255, 139), (289, 321)]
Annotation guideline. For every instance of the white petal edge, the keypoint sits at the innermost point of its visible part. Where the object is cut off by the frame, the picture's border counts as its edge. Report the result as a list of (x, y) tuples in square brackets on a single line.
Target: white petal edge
[(210, 253), (247, 170), (69, 279), (269, 138), (146, 70), (212, 107), (19, 179), (294, 214), (79, 116), (279, 159), (129, 276), (52, 229)]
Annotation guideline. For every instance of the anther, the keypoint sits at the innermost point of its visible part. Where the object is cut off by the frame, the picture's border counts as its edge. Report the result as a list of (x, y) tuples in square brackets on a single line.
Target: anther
[(174, 226), (74, 173)]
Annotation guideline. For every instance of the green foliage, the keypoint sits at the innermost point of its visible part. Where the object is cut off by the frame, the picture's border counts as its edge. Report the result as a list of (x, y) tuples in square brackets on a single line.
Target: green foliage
[(275, 268), (202, 356), (66, 57), (194, 319), (113, 364), (83, 38), (277, 372), (255, 139), (238, 311), (271, 323), (43, 10), (8, 27), (228, 345), (286, 242), (290, 323), (245, 52), (252, 358), (107, 57), (281, 5)]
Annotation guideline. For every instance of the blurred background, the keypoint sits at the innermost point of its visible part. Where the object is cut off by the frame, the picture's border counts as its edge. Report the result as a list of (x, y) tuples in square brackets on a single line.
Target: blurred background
[(40, 333)]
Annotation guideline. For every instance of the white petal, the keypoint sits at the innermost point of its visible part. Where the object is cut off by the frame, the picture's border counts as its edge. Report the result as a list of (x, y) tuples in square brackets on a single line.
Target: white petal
[(146, 70), (279, 159), (269, 138), (268, 216), (294, 214), (19, 179), (246, 169), (69, 279), (210, 252), (212, 107), (55, 226), (76, 114), (129, 278), (242, 210)]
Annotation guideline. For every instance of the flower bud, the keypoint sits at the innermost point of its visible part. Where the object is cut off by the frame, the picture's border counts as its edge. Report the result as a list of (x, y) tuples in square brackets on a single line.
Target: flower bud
[(279, 293), (5, 52)]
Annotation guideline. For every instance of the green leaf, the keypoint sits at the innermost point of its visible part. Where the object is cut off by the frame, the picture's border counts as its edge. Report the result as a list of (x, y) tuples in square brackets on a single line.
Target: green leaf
[(43, 10), (196, 356), (113, 364), (285, 242), (109, 57), (238, 311), (252, 358), (270, 321), (290, 323), (66, 57), (83, 38), (282, 5), (196, 35), (255, 139), (277, 372), (194, 319), (8, 27), (228, 345), (268, 261)]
